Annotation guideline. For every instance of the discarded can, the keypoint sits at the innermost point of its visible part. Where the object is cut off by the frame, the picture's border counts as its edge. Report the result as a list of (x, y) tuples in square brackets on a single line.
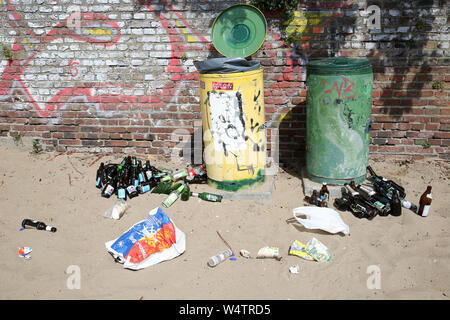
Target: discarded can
[(268, 252), (215, 260)]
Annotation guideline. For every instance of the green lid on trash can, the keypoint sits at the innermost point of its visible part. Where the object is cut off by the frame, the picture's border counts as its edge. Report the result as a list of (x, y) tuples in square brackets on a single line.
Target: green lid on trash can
[(337, 65), (239, 31)]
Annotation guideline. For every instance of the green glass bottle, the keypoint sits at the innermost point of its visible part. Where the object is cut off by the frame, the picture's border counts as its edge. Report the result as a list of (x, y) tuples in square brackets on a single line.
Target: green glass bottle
[(207, 196), (173, 196), (186, 194)]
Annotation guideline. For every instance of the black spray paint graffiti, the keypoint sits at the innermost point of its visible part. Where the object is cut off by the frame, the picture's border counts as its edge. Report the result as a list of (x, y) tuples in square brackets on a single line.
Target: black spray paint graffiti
[(228, 126)]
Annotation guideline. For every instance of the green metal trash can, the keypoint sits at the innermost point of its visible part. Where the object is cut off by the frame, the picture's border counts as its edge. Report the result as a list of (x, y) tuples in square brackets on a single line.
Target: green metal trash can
[(338, 113)]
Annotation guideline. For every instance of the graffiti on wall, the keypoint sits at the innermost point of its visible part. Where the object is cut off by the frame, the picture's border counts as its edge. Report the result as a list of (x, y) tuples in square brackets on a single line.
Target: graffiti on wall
[(96, 96), (96, 29)]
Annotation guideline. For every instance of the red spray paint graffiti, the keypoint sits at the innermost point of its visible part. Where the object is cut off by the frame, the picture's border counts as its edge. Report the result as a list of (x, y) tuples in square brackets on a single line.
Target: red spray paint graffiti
[(345, 84), (29, 45), (96, 29)]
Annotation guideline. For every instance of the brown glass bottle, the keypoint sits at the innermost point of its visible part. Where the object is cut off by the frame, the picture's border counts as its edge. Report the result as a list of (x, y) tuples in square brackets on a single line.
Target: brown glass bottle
[(99, 175), (425, 202), (34, 224), (324, 190)]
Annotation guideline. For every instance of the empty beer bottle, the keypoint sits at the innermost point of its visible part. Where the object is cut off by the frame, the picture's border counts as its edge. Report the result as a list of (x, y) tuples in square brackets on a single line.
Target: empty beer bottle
[(207, 196), (140, 172), (144, 187), (324, 195), (110, 173), (109, 188), (313, 199), (121, 187), (395, 204), (131, 188), (180, 174), (408, 205), (173, 196), (362, 208), (148, 170), (382, 185), (359, 203), (124, 163), (425, 202), (351, 190), (186, 193), (382, 204), (34, 224), (100, 170)]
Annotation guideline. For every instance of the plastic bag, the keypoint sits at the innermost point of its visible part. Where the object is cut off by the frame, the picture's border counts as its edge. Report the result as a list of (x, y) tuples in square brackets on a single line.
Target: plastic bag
[(226, 65), (298, 249), (317, 250), (148, 242), (321, 218), (117, 211)]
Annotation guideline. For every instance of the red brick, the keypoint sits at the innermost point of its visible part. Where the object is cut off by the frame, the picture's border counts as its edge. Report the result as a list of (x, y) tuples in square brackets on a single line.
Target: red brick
[(391, 149), (432, 126), (404, 126), (114, 129), (70, 142), (417, 126), (140, 144), (418, 149), (442, 135), (116, 143)]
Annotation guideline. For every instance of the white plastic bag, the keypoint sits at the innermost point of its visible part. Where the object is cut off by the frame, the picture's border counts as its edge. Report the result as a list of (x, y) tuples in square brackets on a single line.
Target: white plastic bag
[(148, 242), (117, 211), (325, 219)]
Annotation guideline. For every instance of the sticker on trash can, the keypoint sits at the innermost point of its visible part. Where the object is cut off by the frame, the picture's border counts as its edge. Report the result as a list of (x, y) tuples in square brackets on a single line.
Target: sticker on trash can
[(222, 85), (227, 121)]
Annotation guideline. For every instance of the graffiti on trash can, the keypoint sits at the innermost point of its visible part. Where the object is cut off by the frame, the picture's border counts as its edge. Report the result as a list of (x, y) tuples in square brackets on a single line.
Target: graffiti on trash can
[(345, 84), (227, 121), (229, 132)]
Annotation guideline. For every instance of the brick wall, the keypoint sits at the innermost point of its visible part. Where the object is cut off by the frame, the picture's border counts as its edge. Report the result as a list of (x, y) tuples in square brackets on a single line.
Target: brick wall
[(126, 82)]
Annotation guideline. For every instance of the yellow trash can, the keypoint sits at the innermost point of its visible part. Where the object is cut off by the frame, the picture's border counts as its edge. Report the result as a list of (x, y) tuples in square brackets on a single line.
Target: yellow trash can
[(234, 135)]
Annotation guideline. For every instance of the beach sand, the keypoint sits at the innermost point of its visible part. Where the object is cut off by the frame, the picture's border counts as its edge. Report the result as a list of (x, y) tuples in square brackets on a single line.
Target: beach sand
[(411, 253)]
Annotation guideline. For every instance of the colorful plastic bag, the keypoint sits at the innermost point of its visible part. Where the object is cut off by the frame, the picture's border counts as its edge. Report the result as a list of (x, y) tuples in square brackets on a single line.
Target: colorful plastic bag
[(317, 250), (148, 242), (298, 249)]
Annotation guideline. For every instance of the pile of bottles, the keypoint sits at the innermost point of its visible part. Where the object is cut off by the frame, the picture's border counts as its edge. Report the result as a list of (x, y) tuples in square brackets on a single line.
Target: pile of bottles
[(131, 178), (319, 198), (378, 197)]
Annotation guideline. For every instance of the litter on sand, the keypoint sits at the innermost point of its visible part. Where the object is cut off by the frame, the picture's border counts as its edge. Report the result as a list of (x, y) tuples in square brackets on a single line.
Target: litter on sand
[(148, 242), (25, 252), (325, 219)]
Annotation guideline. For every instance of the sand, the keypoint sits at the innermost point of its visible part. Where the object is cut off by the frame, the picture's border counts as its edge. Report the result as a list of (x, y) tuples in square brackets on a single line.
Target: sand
[(411, 253)]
